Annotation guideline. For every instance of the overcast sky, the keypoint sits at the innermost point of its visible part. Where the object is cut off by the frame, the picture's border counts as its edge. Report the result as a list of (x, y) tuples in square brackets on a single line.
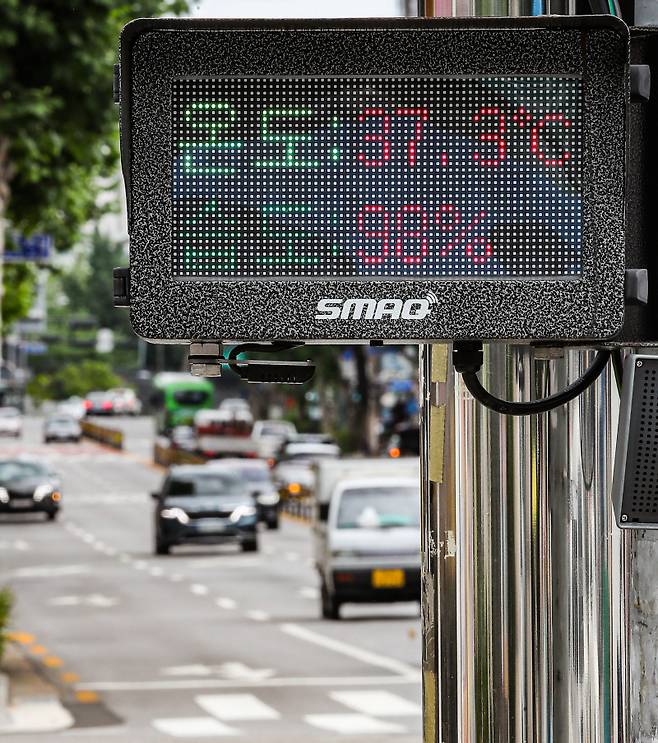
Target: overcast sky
[(296, 8)]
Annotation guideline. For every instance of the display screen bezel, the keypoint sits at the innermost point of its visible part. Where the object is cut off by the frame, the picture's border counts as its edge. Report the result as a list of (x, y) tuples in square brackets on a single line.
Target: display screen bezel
[(154, 52)]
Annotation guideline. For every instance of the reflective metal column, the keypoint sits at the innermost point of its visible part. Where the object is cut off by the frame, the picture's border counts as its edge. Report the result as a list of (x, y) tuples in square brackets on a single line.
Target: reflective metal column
[(524, 571)]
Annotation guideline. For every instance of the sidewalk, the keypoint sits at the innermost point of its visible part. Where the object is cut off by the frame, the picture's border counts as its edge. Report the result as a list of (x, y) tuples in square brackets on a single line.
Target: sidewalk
[(28, 703)]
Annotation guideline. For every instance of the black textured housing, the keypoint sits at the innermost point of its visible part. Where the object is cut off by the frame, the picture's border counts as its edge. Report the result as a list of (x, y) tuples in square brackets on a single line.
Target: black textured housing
[(154, 52)]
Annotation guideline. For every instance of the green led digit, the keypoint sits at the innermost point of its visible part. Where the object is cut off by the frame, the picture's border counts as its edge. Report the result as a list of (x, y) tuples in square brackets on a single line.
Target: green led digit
[(290, 140), (212, 118)]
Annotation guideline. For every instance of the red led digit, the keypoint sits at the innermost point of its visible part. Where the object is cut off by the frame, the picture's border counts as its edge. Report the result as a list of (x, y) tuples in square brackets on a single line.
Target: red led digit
[(478, 249), (465, 235), (497, 136), (535, 144), (382, 234), (405, 232), (385, 153), (420, 114)]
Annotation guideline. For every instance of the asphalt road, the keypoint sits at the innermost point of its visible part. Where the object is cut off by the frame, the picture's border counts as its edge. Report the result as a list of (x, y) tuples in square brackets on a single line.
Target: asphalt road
[(204, 644)]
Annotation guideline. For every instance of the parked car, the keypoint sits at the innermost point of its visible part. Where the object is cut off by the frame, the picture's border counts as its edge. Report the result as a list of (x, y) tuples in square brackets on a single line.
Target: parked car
[(11, 422), (270, 434), (27, 486), (125, 401), (61, 428), (366, 527), (199, 505), (258, 476), (294, 474), (99, 403), (74, 408)]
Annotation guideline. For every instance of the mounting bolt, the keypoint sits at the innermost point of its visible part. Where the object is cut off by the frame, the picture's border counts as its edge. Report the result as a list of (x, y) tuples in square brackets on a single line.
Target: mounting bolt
[(624, 516), (638, 364), (204, 359)]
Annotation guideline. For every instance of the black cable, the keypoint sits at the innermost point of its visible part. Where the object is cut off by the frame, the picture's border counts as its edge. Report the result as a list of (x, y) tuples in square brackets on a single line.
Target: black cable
[(468, 361)]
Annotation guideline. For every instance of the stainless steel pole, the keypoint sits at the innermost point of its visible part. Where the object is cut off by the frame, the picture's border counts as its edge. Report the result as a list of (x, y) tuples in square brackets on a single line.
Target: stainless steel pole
[(524, 572)]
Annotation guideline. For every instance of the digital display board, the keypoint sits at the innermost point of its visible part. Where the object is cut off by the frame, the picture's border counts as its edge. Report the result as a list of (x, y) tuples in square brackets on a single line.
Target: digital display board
[(389, 180), (377, 177)]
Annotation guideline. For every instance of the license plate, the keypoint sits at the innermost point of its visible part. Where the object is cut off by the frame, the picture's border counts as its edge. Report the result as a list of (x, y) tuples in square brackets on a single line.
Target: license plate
[(18, 504), (211, 525), (388, 578)]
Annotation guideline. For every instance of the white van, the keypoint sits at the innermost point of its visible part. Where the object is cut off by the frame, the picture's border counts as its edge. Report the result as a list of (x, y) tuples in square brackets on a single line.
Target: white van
[(367, 531)]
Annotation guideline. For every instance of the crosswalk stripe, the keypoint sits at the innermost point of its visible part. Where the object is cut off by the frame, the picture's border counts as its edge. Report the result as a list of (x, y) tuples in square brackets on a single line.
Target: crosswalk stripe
[(236, 707), (352, 724), (376, 702), (192, 727)]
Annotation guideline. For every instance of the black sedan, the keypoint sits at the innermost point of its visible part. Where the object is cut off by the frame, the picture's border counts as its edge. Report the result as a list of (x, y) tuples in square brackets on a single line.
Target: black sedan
[(27, 486), (200, 506)]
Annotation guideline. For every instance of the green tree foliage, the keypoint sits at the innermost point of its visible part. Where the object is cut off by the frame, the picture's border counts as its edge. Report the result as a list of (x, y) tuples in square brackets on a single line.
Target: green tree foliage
[(73, 379), (18, 293), (6, 603), (88, 284), (57, 121), (58, 125)]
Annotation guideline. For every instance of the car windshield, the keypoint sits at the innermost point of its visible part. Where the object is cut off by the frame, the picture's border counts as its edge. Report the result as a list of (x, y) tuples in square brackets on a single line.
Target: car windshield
[(190, 397), (210, 484), (255, 474), (9, 413), (61, 422), (275, 429), (21, 470), (379, 508)]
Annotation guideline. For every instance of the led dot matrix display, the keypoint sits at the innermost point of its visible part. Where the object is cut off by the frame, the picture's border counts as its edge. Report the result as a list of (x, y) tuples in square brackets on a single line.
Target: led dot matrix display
[(377, 177)]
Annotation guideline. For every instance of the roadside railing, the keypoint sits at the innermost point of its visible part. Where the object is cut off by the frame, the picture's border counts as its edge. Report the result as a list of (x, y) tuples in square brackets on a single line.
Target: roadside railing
[(298, 508), (102, 434), (165, 456)]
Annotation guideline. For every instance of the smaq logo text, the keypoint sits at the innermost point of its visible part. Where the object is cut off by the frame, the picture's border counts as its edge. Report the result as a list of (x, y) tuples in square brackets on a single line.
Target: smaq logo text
[(372, 309)]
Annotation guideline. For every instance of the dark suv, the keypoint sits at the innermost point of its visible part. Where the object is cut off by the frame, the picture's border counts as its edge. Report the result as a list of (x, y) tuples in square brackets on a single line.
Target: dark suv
[(198, 505), (27, 486)]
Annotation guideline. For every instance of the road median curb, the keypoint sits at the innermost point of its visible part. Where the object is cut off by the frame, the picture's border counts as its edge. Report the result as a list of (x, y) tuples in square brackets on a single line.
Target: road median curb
[(102, 434), (28, 702)]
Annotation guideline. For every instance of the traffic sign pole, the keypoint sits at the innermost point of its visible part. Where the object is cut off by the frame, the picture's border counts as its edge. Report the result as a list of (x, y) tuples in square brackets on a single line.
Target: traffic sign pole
[(525, 574)]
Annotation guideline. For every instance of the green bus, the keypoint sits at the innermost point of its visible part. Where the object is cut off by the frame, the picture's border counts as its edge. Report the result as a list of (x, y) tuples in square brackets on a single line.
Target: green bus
[(178, 396)]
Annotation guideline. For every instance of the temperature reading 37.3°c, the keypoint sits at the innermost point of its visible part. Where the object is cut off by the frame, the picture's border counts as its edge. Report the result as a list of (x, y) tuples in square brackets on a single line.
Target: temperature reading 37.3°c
[(377, 177)]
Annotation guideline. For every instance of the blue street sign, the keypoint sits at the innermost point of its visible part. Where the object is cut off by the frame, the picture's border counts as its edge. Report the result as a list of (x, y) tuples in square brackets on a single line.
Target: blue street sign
[(34, 348), (33, 248)]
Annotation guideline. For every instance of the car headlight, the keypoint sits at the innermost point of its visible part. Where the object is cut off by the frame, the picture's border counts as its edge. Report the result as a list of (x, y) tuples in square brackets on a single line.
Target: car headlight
[(268, 499), (4, 495), (41, 492), (175, 513), (242, 512)]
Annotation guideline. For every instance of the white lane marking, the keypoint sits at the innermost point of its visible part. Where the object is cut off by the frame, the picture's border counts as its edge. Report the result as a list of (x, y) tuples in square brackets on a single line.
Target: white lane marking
[(292, 556), (257, 615), (140, 564), (198, 589), (88, 538), (16, 544), (93, 599), (376, 702), (286, 682), (268, 550), (309, 592), (343, 648), (236, 707), (110, 551), (99, 546), (123, 557), (352, 724), (176, 577), (235, 670), (156, 571), (225, 603), (192, 727), (50, 571)]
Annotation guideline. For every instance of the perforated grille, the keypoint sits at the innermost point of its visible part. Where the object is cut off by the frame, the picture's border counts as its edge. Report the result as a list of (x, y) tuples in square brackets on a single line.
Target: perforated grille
[(641, 491)]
